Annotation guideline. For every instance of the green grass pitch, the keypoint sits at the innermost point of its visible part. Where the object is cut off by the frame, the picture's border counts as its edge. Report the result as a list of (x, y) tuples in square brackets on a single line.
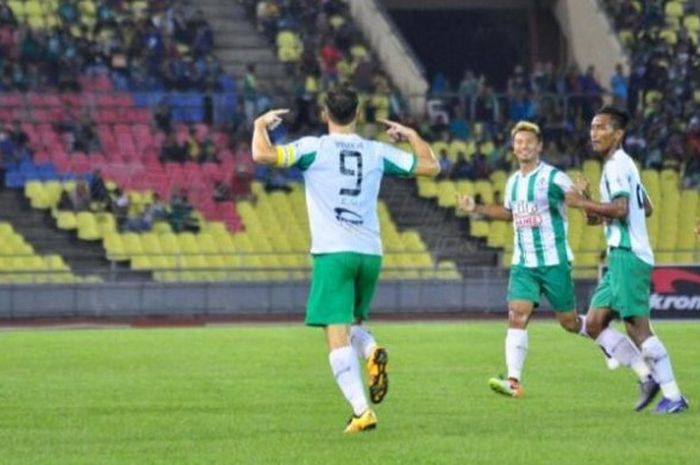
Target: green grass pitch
[(264, 394)]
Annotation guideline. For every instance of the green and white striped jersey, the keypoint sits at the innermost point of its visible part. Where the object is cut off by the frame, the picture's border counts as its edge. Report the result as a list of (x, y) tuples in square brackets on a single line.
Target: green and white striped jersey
[(621, 178), (342, 174), (536, 201)]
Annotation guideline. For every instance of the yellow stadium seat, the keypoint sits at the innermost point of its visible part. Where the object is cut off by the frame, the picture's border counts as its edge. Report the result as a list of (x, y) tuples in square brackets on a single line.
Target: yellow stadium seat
[(674, 9), (447, 269), (87, 227), (132, 244), (446, 193), (66, 220), (427, 188), (479, 228), (6, 229), (114, 247), (692, 23)]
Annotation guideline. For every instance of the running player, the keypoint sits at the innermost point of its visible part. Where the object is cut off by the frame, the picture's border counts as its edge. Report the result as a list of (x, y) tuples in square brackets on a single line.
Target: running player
[(623, 292), (535, 200), (342, 174)]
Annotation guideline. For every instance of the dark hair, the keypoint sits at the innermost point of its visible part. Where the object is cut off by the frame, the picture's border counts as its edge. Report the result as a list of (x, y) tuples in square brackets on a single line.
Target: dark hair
[(619, 117), (341, 104)]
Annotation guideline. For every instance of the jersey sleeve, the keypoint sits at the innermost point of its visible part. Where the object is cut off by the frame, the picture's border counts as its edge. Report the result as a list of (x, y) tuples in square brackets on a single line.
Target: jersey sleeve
[(508, 194), (561, 184), (618, 180), (397, 162), (300, 153)]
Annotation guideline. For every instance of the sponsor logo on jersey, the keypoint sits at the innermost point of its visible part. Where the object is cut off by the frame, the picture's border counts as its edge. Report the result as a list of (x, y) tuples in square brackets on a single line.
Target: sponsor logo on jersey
[(525, 215)]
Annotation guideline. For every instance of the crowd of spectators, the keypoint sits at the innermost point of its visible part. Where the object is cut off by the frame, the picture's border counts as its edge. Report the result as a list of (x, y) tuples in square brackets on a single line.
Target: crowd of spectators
[(167, 46), (131, 213), (664, 76), (330, 50)]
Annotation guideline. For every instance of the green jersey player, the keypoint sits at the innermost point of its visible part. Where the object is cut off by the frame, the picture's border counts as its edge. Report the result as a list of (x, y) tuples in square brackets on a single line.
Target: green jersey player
[(624, 290), (342, 174)]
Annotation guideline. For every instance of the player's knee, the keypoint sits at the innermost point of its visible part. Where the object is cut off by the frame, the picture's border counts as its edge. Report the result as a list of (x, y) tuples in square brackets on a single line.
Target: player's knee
[(517, 316), (570, 324)]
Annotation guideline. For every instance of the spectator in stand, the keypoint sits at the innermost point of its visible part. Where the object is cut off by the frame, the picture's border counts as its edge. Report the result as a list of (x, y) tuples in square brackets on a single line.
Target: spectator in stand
[(193, 148), (7, 17), (85, 137), (462, 169), (181, 210), (480, 166), (440, 86), (171, 151), (163, 118), (76, 200), (209, 150), (222, 192), (152, 212), (445, 164), (458, 127), (618, 84), (468, 87), (328, 59), (98, 188)]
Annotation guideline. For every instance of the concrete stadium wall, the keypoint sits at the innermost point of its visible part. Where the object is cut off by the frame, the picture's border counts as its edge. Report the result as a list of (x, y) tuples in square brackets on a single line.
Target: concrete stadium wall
[(395, 54), (230, 299), (590, 37)]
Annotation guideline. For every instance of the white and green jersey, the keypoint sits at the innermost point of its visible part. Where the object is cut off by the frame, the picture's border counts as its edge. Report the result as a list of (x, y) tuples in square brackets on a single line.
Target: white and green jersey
[(620, 178), (536, 201), (343, 173)]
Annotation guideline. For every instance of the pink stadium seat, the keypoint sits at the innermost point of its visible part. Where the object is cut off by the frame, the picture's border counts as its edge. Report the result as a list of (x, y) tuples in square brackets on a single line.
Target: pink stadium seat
[(70, 99), (10, 100), (80, 163), (97, 160)]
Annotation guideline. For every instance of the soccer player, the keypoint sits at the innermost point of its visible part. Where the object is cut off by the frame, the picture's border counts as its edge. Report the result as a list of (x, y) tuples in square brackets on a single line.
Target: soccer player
[(535, 201), (624, 290), (342, 174)]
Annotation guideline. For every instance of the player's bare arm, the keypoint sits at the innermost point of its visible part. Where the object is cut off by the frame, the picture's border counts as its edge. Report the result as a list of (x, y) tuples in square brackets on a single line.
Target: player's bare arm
[(467, 204), (648, 206), (427, 164), (617, 209), (582, 188), (264, 152)]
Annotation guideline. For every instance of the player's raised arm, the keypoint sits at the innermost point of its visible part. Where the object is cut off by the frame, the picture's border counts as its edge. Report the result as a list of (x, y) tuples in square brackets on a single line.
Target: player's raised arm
[(427, 164), (264, 152), (467, 204)]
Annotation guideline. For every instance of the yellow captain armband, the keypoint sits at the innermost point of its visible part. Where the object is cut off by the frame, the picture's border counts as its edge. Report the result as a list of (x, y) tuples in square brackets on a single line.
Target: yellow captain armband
[(286, 156)]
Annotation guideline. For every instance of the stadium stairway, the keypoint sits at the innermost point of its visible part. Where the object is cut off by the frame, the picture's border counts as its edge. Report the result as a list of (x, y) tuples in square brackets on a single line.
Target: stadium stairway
[(38, 228), (445, 235), (238, 43)]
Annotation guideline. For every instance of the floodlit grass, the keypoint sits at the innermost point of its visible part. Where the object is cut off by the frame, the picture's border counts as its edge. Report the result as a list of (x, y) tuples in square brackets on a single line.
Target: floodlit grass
[(264, 394)]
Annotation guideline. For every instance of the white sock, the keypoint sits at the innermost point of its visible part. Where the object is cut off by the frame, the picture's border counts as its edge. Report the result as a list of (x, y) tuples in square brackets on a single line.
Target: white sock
[(619, 347), (583, 331), (346, 370), (516, 351), (362, 340), (655, 352)]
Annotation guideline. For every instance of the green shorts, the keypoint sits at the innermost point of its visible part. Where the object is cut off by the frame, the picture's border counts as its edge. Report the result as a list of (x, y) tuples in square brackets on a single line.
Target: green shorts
[(553, 281), (626, 286), (342, 287)]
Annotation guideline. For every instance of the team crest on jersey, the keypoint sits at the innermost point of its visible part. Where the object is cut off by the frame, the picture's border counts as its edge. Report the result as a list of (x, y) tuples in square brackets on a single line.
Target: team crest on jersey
[(525, 215)]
